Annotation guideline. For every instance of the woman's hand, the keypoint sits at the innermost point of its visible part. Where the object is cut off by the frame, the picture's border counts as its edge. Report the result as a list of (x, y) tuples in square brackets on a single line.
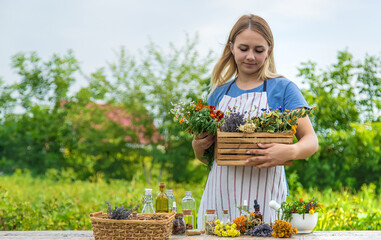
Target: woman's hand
[(200, 143), (204, 140), (271, 155), (274, 154)]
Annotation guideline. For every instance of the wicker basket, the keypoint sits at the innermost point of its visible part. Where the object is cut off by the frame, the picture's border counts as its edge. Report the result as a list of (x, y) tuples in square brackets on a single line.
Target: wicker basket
[(231, 147), (110, 229)]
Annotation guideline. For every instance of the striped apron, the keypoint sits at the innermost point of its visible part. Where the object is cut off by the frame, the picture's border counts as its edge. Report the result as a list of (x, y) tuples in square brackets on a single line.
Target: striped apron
[(228, 186)]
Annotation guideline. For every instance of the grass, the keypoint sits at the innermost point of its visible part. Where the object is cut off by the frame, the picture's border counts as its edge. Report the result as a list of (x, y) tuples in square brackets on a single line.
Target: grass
[(47, 203)]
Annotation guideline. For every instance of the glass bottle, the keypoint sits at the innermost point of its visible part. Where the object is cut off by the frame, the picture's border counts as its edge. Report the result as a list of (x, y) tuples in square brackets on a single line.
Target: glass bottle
[(174, 207), (225, 217), (171, 199), (210, 218), (148, 206), (257, 211), (178, 224), (162, 200), (245, 208), (189, 203), (188, 219)]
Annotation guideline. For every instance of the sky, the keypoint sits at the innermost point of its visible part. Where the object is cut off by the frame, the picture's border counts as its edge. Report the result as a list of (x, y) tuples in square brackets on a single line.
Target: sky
[(94, 29)]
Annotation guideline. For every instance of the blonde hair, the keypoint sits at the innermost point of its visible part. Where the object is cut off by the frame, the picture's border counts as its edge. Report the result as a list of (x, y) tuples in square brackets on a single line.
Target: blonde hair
[(226, 67)]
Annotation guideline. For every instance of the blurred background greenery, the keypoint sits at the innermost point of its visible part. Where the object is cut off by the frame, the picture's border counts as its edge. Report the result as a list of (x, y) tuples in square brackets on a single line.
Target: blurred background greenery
[(64, 152)]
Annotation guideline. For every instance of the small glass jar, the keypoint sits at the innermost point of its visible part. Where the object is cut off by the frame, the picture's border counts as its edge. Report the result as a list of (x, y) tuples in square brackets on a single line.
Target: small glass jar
[(178, 224), (188, 219), (134, 216), (225, 217), (210, 218)]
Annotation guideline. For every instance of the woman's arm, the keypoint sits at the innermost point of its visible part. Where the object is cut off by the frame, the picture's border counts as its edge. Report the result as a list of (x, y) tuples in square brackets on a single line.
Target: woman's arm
[(200, 143), (270, 155), (308, 143)]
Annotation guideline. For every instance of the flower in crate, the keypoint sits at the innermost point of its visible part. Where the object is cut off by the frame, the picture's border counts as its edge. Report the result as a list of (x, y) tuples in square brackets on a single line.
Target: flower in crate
[(280, 120), (198, 118), (232, 121), (277, 120), (247, 127)]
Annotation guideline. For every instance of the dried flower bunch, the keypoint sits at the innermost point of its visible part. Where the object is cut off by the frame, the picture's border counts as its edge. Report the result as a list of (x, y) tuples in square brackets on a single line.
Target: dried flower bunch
[(301, 207), (232, 121), (247, 222), (283, 229), (120, 213), (262, 230), (227, 230), (269, 121)]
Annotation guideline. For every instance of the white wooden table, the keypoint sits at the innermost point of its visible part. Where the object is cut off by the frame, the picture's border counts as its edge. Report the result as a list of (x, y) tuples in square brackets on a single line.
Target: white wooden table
[(88, 235)]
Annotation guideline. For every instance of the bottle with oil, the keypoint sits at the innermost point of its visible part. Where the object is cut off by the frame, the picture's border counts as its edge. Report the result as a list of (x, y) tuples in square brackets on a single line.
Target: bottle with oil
[(162, 200)]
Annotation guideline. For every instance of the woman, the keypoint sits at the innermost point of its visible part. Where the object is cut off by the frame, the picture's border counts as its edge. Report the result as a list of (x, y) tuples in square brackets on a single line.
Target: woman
[(248, 55)]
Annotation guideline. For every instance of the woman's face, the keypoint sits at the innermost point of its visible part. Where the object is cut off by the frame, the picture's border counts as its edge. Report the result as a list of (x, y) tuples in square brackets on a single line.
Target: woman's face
[(250, 51)]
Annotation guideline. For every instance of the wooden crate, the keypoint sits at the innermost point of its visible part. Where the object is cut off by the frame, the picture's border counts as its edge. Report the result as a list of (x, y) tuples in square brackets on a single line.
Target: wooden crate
[(231, 147)]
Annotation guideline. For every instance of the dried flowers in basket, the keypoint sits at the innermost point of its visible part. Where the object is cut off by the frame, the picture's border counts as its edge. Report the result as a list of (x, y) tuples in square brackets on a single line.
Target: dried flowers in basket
[(122, 224), (237, 134), (198, 118)]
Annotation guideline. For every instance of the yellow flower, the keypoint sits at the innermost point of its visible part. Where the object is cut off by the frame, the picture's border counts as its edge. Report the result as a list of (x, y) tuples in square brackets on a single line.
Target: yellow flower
[(293, 128), (311, 212)]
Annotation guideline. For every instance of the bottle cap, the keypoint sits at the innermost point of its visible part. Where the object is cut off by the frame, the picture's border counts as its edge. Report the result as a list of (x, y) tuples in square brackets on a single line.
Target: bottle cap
[(148, 191), (162, 184), (188, 193), (174, 204), (225, 211), (244, 202), (187, 212), (210, 211), (169, 191)]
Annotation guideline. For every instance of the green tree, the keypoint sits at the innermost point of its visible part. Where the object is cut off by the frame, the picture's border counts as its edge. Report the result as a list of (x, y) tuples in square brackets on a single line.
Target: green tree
[(347, 120), (33, 139), (152, 82), (56, 130), (83, 130)]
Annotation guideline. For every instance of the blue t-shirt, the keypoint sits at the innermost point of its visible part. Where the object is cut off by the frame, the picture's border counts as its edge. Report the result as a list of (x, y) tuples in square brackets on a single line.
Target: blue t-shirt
[(281, 92)]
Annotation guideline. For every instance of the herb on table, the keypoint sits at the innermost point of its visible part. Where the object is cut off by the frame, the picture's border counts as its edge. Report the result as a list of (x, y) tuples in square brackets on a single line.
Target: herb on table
[(262, 230), (283, 229)]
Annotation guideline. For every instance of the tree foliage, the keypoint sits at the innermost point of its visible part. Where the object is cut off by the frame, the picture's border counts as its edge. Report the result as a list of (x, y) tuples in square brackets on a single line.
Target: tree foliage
[(347, 120), (116, 124), (119, 125)]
